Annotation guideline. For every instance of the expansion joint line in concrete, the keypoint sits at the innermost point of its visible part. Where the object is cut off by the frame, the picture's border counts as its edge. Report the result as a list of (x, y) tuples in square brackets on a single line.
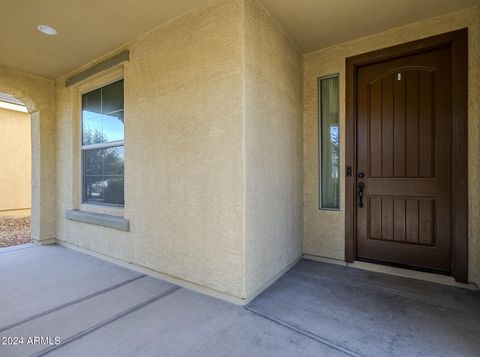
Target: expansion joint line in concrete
[(106, 322), (304, 333), (70, 303)]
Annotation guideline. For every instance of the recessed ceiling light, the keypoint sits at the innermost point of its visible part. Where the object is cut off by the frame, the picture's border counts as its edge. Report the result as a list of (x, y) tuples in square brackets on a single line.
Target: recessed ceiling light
[(47, 30)]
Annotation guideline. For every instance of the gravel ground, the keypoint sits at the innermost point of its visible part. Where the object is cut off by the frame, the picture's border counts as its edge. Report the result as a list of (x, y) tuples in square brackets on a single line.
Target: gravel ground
[(14, 231)]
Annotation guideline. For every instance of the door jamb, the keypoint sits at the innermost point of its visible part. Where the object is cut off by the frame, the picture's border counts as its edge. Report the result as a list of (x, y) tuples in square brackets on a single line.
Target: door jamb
[(458, 42)]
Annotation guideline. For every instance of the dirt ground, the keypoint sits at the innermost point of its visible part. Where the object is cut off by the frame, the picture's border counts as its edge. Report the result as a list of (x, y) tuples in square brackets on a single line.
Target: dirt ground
[(14, 231)]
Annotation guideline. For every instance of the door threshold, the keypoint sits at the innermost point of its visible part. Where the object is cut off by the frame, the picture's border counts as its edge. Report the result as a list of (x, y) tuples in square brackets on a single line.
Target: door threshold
[(405, 273), (412, 274)]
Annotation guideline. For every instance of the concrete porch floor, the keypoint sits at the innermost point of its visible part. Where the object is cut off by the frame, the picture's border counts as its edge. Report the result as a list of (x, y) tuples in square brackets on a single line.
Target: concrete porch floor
[(316, 309)]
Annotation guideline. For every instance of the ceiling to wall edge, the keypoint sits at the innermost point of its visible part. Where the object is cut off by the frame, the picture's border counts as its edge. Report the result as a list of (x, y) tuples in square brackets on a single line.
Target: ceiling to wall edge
[(125, 47), (474, 8), (121, 48)]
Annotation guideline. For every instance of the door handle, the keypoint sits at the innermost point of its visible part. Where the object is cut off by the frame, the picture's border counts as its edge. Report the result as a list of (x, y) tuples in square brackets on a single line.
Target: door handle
[(360, 189)]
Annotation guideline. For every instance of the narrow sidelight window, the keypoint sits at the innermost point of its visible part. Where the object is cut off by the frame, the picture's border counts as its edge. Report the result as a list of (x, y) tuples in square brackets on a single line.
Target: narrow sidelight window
[(102, 145), (329, 143)]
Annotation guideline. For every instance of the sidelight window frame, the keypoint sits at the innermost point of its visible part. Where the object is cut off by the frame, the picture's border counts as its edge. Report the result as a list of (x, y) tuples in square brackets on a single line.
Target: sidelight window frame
[(320, 126)]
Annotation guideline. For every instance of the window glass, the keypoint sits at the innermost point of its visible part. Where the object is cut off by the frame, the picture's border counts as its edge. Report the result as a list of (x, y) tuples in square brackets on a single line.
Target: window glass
[(92, 130), (103, 175), (113, 126), (102, 114), (102, 145), (92, 117), (113, 159), (91, 102), (112, 97), (329, 143)]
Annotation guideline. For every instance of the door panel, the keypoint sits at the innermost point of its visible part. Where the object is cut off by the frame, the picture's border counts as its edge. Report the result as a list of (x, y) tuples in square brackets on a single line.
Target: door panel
[(403, 150), (408, 220)]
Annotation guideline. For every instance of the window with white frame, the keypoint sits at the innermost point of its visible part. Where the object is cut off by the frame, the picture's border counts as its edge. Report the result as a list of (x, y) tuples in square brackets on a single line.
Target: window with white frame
[(103, 145)]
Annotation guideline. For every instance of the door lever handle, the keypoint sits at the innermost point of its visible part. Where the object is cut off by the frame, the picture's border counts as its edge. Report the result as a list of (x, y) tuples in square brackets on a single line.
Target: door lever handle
[(360, 189)]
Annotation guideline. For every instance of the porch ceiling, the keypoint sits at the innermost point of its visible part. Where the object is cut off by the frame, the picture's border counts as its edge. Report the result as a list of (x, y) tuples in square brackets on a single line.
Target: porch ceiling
[(86, 29), (315, 24), (90, 28)]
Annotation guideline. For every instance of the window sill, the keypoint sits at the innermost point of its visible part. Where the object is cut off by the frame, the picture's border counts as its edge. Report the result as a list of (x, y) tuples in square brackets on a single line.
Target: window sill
[(102, 209), (99, 219)]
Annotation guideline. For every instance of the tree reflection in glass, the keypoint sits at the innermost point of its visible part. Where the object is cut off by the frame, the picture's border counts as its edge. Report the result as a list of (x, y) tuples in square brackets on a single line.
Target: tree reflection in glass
[(329, 143), (102, 145)]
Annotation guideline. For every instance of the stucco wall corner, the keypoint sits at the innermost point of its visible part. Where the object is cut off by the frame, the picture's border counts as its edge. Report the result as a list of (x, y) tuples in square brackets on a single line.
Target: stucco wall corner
[(273, 149)]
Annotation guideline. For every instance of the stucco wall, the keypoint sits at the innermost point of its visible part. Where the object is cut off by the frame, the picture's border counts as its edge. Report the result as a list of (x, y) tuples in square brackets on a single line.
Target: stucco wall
[(37, 94), (213, 148), (16, 161), (324, 231), (213, 168), (273, 148), (183, 152)]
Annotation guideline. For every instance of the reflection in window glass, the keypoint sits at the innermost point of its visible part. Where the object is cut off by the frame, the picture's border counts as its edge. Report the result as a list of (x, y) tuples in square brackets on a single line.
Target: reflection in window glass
[(103, 175), (112, 97), (329, 143), (102, 114), (112, 126), (102, 145)]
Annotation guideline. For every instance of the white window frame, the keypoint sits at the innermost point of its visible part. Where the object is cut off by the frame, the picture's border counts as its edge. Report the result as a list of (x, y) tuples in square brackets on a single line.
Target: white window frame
[(96, 83)]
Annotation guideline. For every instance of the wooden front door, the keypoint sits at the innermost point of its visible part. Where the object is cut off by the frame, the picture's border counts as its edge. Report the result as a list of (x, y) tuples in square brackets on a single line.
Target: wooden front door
[(406, 197), (404, 112)]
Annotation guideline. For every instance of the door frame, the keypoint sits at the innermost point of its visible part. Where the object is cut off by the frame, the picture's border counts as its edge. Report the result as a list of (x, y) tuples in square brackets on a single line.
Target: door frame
[(458, 43)]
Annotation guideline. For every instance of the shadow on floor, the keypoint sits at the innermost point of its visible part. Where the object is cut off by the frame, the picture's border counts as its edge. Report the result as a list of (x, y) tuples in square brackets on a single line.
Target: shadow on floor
[(374, 314), (95, 308)]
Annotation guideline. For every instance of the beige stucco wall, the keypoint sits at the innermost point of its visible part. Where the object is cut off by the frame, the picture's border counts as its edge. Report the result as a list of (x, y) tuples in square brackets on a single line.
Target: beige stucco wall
[(37, 94), (213, 168), (324, 230), (273, 149), (213, 148), (183, 152), (16, 162)]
